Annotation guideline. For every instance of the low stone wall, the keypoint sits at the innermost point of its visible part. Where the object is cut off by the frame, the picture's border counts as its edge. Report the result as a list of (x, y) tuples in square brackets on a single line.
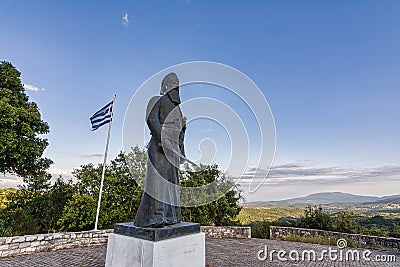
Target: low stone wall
[(19, 245), (226, 231), (373, 242)]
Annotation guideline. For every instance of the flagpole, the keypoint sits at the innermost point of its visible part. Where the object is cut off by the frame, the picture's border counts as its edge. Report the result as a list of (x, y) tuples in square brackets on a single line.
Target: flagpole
[(104, 167)]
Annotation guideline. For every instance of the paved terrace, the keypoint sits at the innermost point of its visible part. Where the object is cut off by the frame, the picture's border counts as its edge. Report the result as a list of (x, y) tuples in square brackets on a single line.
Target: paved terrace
[(219, 252)]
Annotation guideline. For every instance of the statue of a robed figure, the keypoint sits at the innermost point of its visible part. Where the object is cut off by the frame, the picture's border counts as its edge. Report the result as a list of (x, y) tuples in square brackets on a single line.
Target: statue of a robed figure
[(158, 219), (160, 202)]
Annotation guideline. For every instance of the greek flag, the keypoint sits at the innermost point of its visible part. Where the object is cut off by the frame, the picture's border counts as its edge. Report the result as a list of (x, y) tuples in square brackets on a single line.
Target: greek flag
[(101, 117)]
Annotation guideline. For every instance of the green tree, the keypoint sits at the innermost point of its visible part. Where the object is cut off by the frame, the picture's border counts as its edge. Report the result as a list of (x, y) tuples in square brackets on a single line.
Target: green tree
[(260, 229), (396, 230), (344, 222), (40, 208), (316, 218), (21, 148), (23, 223), (59, 195), (121, 192), (379, 225), (5, 226), (79, 214), (223, 210), (27, 207), (135, 161)]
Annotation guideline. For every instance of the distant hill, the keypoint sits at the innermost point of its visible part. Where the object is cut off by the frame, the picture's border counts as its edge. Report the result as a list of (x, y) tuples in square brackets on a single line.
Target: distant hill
[(389, 197), (395, 199), (331, 198)]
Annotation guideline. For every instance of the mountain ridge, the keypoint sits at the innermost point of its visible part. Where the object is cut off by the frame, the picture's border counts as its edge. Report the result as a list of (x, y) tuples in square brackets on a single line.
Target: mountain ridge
[(332, 198)]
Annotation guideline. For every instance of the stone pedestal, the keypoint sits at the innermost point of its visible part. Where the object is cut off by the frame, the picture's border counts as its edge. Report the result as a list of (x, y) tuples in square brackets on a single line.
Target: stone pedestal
[(176, 245)]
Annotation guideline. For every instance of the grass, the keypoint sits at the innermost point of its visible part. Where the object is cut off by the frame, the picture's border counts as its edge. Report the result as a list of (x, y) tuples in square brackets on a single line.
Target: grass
[(322, 240)]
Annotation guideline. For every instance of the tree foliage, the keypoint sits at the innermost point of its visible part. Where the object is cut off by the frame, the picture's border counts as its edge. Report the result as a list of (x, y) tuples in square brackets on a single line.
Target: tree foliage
[(344, 221), (122, 193), (79, 214), (21, 148), (260, 229), (316, 218), (221, 211), (396, 230), (40, 206), (37, 211), (120, 197)]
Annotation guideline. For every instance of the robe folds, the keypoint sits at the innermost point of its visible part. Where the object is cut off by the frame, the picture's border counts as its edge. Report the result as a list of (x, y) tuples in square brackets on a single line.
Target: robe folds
[(160, 201)]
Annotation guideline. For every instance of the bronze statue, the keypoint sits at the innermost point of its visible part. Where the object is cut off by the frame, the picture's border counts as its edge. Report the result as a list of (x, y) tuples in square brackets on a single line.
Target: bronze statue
[(160, 202)]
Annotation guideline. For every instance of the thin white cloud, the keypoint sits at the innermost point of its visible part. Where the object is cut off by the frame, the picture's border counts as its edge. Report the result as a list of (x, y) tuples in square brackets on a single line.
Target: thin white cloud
[(58, 171), (303, 172), (33, 88), (93, 155), (301, 178), (10, 181), (125, 19)]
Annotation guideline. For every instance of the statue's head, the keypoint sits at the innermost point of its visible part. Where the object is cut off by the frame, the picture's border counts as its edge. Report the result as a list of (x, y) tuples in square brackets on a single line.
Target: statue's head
[(170, 86), (169, 82)]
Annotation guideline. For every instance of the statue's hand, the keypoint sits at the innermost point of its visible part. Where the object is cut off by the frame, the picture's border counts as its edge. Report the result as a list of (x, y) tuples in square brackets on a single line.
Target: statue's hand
[(160, 147), (184, 119)]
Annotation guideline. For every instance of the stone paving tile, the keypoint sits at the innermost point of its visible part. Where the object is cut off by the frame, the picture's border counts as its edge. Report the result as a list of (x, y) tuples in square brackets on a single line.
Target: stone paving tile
[(219, 253), (243, 252), (79, 257)]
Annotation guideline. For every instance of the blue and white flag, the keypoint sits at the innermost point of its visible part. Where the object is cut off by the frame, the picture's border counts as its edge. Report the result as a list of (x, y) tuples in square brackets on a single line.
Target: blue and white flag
[(103, 116)]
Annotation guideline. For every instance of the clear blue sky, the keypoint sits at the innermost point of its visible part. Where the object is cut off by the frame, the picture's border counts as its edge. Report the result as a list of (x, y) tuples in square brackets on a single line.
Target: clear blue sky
[(329, 70)]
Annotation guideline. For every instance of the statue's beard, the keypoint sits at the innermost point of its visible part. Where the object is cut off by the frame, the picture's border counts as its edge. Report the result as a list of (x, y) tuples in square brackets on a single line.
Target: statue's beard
[(174, 96)]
